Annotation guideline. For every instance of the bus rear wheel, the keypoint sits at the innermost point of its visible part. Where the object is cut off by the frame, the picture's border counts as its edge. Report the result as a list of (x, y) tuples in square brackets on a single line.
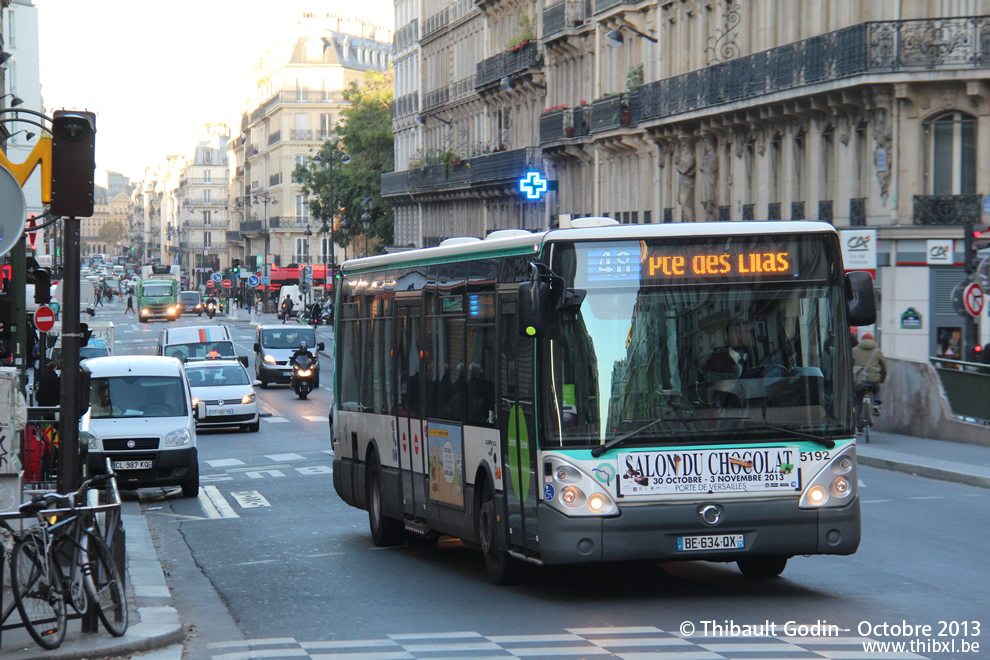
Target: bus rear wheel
[(761, 568), (501, 567), (384, 531)]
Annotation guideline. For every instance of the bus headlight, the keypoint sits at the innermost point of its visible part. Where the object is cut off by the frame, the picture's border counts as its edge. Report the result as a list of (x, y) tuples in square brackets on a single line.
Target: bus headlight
[(145, 311), (835, 484), (171, 310), (580, 493)]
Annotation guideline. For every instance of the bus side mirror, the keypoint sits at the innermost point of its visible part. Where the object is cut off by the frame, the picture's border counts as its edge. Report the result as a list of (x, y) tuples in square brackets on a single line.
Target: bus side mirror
[(534, 309), (861, 304)]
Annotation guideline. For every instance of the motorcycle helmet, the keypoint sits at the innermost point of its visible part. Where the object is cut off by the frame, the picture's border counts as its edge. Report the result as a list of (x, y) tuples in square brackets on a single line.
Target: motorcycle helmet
[(303, 346)]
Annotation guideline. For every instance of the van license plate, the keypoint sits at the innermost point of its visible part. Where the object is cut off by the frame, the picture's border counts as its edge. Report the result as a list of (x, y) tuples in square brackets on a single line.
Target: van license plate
[(216, 412), (711, 542), (132, 465)]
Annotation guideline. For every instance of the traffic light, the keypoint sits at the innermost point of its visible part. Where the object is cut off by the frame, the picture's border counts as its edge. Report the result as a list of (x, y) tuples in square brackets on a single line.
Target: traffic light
[(73, 163), (235, 267), (42, 286), (977, 237)]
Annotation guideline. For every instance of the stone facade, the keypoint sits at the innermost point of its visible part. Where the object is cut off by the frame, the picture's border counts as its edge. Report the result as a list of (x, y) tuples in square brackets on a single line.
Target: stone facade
[(867, 115), (297, 105)]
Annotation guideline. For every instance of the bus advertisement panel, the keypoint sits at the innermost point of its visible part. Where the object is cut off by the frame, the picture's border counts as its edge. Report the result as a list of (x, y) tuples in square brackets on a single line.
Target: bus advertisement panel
[(605, 393)]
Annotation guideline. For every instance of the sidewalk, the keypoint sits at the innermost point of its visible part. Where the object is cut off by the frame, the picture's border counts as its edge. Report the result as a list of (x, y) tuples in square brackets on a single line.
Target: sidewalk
[(154, 623), (934, 459)]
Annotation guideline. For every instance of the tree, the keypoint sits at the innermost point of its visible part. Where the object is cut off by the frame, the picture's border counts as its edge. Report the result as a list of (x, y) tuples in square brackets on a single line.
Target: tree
[(364, 134), (113, 232)]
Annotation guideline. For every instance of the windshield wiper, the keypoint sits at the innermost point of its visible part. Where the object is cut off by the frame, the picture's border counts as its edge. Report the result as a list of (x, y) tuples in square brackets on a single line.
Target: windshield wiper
[(828, 443), (615, 442)]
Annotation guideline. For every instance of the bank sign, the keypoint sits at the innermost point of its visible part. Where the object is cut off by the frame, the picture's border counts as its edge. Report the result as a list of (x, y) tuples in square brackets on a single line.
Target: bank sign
[(859, 249), (708, 471)]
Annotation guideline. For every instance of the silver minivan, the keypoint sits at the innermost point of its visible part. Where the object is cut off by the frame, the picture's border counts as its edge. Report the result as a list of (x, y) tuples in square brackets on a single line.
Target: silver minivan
[(275, 344)]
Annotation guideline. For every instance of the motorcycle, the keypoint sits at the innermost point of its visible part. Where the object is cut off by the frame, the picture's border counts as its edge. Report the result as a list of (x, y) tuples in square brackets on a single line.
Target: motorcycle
[(211, 309), (302, 375), (326, 318)]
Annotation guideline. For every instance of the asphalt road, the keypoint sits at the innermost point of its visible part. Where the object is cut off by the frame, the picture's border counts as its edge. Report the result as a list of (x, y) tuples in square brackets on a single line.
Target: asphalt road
[(268, 561)]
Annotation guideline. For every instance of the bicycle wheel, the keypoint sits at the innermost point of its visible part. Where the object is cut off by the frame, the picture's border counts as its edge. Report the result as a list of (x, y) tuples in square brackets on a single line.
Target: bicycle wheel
[(104, 584), (37, 589), (866, 409)]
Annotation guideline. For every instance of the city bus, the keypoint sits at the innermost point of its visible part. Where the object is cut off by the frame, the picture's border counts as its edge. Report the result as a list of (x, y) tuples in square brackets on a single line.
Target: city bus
[(605, 393)]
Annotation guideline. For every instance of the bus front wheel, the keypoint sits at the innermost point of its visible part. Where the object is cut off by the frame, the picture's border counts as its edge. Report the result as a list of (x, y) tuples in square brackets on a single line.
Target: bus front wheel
[(384, 531), (501, 567), (762, 567)]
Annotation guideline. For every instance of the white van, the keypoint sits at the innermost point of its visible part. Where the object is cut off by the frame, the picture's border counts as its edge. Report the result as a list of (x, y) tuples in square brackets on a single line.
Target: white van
[(298, 300), (141, 417), (197, 341)]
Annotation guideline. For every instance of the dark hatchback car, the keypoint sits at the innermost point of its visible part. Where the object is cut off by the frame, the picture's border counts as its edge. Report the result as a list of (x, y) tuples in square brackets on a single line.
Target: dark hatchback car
[(190, 302)]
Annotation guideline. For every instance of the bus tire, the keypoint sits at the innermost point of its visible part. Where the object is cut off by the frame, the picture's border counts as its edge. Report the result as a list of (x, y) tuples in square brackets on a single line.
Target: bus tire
[(761, 568), (501, 567), (385, 531)]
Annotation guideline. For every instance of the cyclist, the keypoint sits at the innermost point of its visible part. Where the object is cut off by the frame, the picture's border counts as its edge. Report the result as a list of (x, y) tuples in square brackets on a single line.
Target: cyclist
[(868, 358)]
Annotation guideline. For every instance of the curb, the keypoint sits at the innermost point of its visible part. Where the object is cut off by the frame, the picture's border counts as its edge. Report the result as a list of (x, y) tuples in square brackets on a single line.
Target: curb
[(926, 470)]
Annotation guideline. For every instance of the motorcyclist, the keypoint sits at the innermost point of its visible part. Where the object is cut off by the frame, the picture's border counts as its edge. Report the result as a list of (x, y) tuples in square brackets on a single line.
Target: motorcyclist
[(302, 350), (212, 301)]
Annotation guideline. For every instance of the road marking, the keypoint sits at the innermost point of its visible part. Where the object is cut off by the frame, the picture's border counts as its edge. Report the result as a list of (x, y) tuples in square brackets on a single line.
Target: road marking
[(260, 474), (276, 420), (224, 462), (315, 469), (284, 457), (214, 504), (314, 418), (328, 451), (874, 501), (929, 497), (252, 563), (257, 467), (250, 499)]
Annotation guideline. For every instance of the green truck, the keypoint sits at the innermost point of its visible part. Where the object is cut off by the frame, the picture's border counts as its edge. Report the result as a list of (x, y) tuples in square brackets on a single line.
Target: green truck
[(157, 293)]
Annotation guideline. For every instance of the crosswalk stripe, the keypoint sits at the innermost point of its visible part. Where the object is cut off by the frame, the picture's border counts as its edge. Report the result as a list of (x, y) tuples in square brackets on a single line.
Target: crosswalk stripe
[(217, 507), (278, 458), (276, 420)]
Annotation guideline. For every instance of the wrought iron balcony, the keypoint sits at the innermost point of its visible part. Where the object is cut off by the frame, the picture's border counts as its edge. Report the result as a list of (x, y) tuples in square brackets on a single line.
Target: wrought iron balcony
[(234, 237), (552, 126), (615, 111), (435, 23), (874, 47), (406, 35), (303, 134), (252, 227), (503, 166), (946, 209), (564, 124), (436, 97), (274, 137), (493, 69), (565, 15)]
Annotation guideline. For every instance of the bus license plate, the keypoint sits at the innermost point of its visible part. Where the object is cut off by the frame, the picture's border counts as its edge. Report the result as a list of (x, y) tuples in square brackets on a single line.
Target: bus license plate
[(710, 542), (132, 465), (216, 412)]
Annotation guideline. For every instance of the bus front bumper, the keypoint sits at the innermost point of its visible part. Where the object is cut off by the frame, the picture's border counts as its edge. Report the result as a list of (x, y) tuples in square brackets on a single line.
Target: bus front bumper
[(650, 531)]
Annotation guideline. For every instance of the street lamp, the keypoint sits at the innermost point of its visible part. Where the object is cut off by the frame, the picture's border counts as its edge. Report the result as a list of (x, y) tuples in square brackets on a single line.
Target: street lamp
[(266, 199), (327, 164), (366, 221)]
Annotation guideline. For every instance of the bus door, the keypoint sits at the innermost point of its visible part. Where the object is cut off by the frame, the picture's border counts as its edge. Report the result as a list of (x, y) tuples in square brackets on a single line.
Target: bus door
[(409, 405), (517, 426)]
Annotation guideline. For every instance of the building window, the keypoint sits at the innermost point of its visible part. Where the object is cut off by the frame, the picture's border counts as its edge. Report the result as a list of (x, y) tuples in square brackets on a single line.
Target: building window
[(302, 206), (207, 156), (207, 176), (207, 218), (950, 140), (207, 239), (302, 251), (325, 250), (207, 196)]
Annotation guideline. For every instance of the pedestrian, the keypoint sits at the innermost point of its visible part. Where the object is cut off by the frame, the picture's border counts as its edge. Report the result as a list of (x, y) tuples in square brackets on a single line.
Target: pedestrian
[(287, 305), (869, 371), (49, 387), (130, 303)]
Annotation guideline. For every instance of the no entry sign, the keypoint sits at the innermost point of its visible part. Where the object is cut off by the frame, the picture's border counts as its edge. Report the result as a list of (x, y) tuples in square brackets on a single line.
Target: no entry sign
[(226, 284), (44, 318)]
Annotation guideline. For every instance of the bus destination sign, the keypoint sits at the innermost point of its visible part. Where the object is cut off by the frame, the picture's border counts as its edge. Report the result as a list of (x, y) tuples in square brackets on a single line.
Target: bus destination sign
[(739, 265)]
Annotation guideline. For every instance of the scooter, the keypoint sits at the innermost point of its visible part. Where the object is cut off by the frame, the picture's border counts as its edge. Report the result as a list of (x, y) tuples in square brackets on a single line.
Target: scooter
[(211, 309), (302, 376), (326, 318)]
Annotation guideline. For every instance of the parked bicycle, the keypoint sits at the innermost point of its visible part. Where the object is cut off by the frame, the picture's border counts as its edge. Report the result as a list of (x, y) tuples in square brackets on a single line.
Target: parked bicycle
[(63, 560)]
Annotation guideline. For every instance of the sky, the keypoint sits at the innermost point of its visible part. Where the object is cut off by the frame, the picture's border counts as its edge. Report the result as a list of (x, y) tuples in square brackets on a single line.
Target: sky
[(155, 71)]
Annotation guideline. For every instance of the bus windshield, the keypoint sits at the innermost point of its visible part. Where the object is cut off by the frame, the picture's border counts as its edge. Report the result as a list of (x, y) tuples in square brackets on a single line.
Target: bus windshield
[(673, 344)]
